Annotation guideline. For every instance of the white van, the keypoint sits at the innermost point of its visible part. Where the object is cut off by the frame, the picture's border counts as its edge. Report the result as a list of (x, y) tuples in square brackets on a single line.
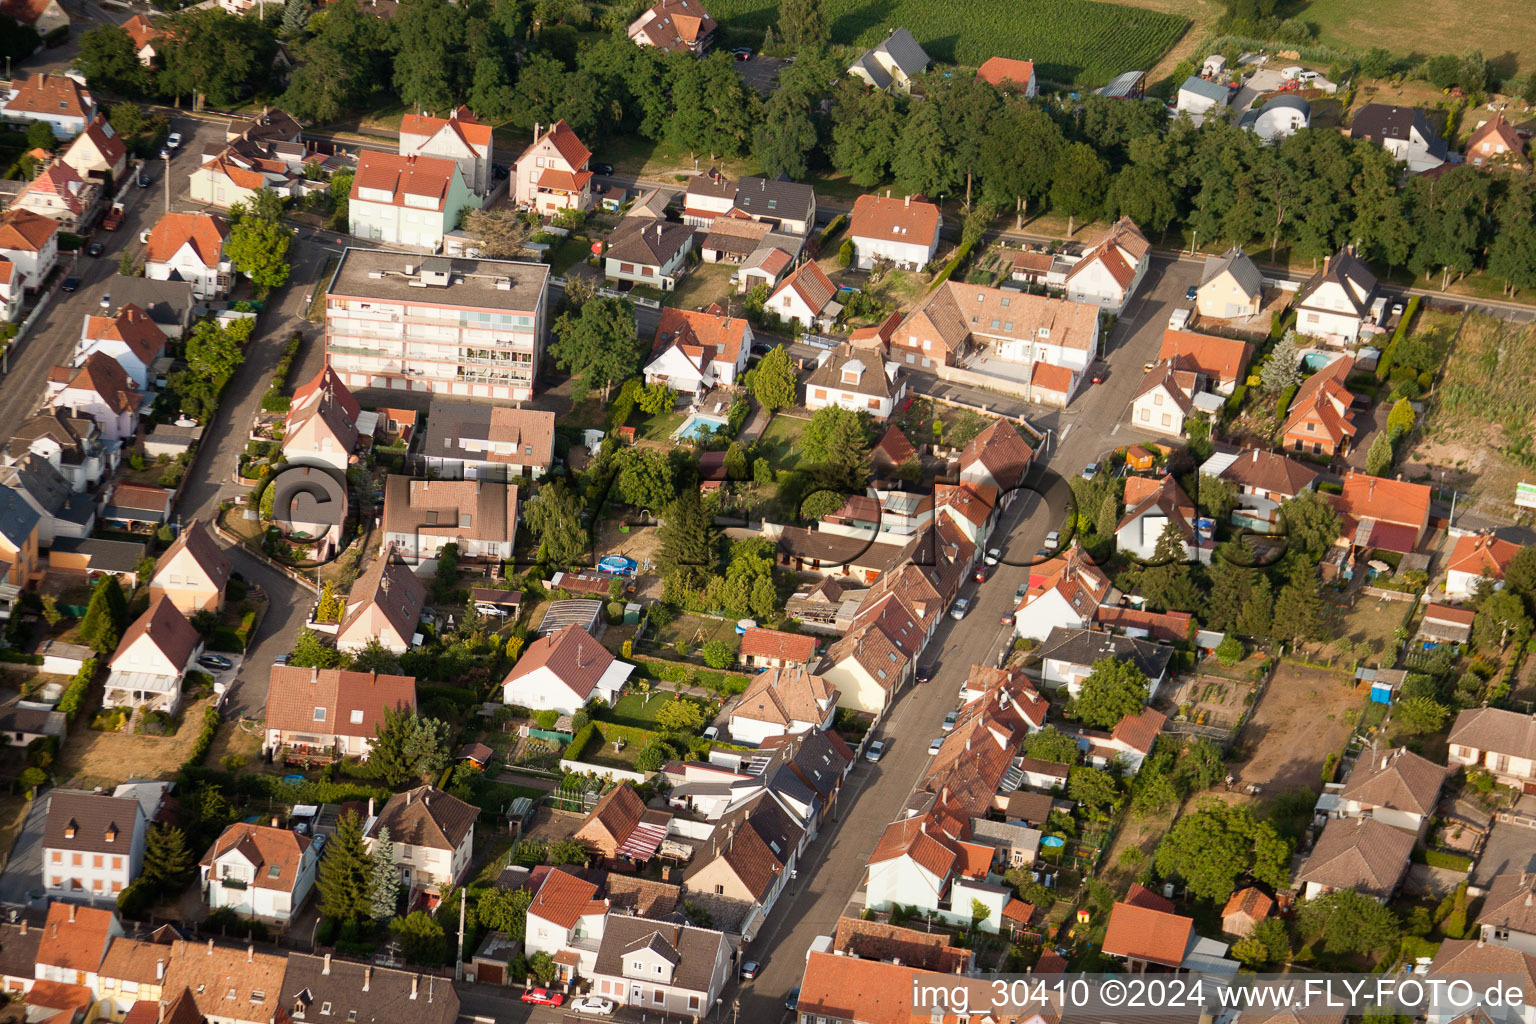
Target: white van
[(821, 944)]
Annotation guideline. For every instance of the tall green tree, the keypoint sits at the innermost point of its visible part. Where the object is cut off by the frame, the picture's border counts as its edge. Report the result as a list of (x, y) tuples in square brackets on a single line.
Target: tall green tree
[(110, 61), (1018, 156), (1310, 524), (787, 134), (259, 249), (600, 346), (383, 879), (1167, 582), (836, 442), (430, 37), (344, 882), (1298, 610), (211, 53), (803, 25), (310, 651), (1078, 183), (774, 382), (924, 161), (167, 861), (688, 535), (1349, 922), (1214, 846), (1512, 254), (554, 517), (866, 130), (1113, 690), (1449, 214), (408, 748), (106, 616), (346, 65)]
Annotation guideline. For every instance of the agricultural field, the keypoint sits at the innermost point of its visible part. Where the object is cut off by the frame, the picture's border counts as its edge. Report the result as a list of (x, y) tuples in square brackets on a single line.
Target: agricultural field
[(1082, 42), (1499, 28), (1482, 422)]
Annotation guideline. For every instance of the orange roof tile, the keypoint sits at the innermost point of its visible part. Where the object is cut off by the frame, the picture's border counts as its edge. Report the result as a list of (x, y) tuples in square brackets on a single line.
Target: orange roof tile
[(772, 643), (1481, 555), (890, 218), (1223, 359), (205, 232), (131, 326), (26, 231), (1388, 501), (563, 899), (1000, 70), (75, 938), (1145, 934)]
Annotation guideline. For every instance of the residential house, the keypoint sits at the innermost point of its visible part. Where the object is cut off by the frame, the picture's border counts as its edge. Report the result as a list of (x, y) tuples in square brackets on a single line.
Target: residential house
[(383, 606), (1230, 287), (61, 513), (1152, 506), (153, 655), (1320, 420), (767, 264), (433, 833), (228, 984), (1402, 131), (1247, 907), (93, 846), (806, 297), (72, 445), (193, 572), (133, 971), (649, 252), (1443, 623), (1396, 787), (1278, 118), (262, 152), (998, 457), (168, 303), (1338, 301), (458, 137), (101, 389), (74, 943), (29, 250), (782, 701), (773, 648), (407, 200), (805, 776), (1109, 273), (60, 101), (877, 940), (1067, 657), (322, 425), (59, 1003), (1009, 75), (553, 174), (1165, 398), (695, 352), (477, 326), (259, 871), (97, 154), (1199, 96), (1495, 143), (315, 711), (674, 26), (786, 207), (1508, 917), (1064, 592), (1474, 557), (1129, 743), (1378, 513), (1222, 361), (129, 337), (958, 320), (1363, 854), (474, 441), (61, 194), (1503, 742), (144, 34), (1463, 959), (619, 817), (751, 864), (895, 231), (1264, 481), (421, 516), (564, 670), (190, 247), (322, 989), (18, 547), (856, 378), (1144, 931), (138, 506), (565, 921), (892, 64), (1144, 624), (661, 967)]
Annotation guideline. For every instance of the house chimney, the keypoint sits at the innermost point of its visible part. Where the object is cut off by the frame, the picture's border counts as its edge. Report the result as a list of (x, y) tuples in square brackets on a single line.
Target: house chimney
[(327, 968), (536, 127), (160, 969), (908, 202), (1326, 260), (160, 1013), (250, 953), (367, 977), (23, 926), (408, 798), (71, 913), (210, 947), (415, 983), (274, 821), (370, 807)]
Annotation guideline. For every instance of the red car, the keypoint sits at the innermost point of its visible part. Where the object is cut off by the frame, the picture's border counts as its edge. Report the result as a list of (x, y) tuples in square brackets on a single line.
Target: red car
[(543, 997)]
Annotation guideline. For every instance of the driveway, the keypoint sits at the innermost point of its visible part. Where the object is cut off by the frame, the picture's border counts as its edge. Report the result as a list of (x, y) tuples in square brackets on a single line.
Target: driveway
[(24, 867), (1509, 849), (1262, 81)]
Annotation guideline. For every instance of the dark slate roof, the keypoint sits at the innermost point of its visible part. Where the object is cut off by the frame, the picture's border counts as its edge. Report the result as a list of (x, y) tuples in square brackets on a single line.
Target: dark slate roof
[(106, 555), (17, 518), (1086, 646), (92, 814), (693, 950), (1341, 268), (37, 477), (648, 242), (905, 51), (426, 816), (168, 303), (1382, 121), (384, 997), (790, 200), (1243, 271)]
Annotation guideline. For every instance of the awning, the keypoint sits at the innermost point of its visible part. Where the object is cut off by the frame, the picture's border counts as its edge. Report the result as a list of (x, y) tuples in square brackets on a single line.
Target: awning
[(643, 842), (614, 676)]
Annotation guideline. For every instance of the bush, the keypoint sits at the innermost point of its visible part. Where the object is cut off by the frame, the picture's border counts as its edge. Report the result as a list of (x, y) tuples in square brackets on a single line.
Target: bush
[(134, 901), (615, 612), (1230, 651), (1443, 859), (1285, 401), (1235, 400), (718, 654), (845, 253), (829, 232), (211, 720), (74, 693), (579, 743)]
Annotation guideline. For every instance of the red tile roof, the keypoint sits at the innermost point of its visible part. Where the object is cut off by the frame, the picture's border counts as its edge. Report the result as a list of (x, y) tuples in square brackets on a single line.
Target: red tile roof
[(204, 231), (879, 217), (772, 643), (424, 177), (1481, 555), (167, 628), (131, 326), (105, 377), (1000, 70), (42, 93), (893, 447), (1223, 359), (1002, 451), (1145, 934), (563, 137), (354, 702), (1389, 501), (571, 654), (74, 937), (461, 121), (327, 380), (564, 899), (1449, 613), (1140, 731), (26, 231), (1050, 377), (910, 838), (274, 853), (720, 337), (1250, 902), (205, 551), (812, 284)]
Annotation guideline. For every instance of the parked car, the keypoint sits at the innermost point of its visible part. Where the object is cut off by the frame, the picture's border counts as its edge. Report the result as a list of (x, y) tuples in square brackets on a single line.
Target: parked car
[(1090, 471), (106, 301), (602, 168), (173, 141), (742, 53), (749, 969), (950, 720), (593, 1004), (1020, 591), (1191, 292), (982, 572), (1053, 539), (70, 283), (933, 748), (761, 348), (961, 606), (1099, 372), (282, 659), (144, 236), (543, 997), (217, 662), (873, 753), (924, 674), (95, 249), (994, 555), (792, 1001)]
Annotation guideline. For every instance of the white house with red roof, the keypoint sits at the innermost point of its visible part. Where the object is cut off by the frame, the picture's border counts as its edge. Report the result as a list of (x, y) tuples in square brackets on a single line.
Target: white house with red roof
[(406, 200), (1379, 513), (143, 32), (774, 648), (259, 871), (29, 249), (98, 153), (674, 26), (190, 247), (1064, 592), (1151, 506), (1109, 273), (565, 920), (1475, 556), (1129, 742), (805, 297), (129, 336), (553, 173), (1223, 361), (785, 700), (457, 137), (61, 102), (998, 457), (59, 192), (696, 351), (101, 389), (900, 232), (564, 670), (155, 652)]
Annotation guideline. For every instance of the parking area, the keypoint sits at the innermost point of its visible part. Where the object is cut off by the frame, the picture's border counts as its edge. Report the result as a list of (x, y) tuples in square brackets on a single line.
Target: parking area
[(761, 72), (1509, 848)]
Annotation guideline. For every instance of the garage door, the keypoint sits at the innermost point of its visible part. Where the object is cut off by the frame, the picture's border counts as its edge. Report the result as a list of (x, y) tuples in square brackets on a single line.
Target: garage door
[(490, 974)]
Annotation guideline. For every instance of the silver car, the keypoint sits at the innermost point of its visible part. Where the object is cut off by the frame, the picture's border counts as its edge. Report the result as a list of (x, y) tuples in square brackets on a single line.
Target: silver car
[(962, 605)]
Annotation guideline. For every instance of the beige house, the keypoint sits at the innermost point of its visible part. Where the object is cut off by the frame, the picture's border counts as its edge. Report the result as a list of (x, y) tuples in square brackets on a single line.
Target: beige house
[(155, 652), (1503, 742), (1230, 286), (97, 154), (1165, 399), (385, 605), (132, 970), (193, 572), (552, 174), (315, 711), (457, 137), (433, 834), (669, 969)]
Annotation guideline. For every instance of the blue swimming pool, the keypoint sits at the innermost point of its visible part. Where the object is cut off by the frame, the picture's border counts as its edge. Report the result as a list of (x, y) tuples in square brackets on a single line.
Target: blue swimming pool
[(698, 426), (1314, 361)]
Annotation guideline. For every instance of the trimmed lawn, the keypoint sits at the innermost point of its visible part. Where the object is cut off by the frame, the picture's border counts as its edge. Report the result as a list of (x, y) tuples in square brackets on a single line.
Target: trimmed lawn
[(639, 710), (706, 283), (658, 427), (569, 253), (779, 443)]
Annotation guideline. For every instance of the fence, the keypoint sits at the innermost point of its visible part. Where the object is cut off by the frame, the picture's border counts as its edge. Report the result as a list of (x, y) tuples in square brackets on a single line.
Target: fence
[(1389, 595), (603, 771)]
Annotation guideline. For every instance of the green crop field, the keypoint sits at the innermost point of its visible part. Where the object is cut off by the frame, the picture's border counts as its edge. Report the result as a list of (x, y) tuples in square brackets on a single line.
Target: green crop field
[(1502, 29), (1083, 42)]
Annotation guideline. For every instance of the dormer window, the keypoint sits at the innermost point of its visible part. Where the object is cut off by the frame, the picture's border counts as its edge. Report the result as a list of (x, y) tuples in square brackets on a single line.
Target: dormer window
[(258, 996), (319, 714), (325, 1008), (275, 871), (357, 716), (111, 835), (69, 830)]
